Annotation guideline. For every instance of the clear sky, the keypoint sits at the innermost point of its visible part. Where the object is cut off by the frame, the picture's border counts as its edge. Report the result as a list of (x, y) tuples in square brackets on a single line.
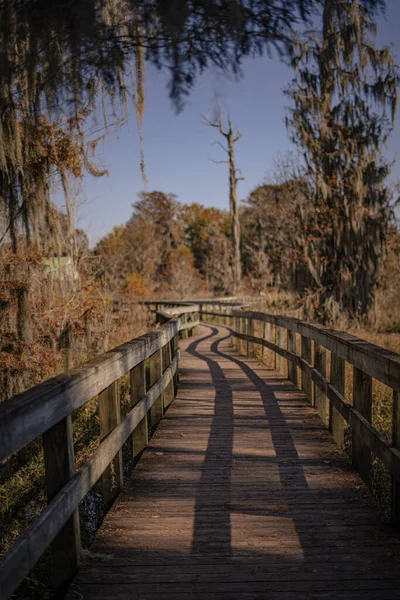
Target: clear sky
[(178, 148)]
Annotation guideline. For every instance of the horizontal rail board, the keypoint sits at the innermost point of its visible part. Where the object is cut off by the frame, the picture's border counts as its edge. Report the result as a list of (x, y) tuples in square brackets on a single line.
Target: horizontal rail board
[(215, 314), (24, 554), (375, 441), (379, 363), (172, 311), (28, 415)]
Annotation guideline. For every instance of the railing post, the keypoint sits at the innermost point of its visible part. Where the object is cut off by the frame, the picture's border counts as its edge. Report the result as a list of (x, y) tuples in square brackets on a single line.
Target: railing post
[(234, 338), (264, 337), (174, 350), (396, 444), (59, 460), (110, 416), (184, 332), (140, 436), (246, 332), (320, 400), (157, 409), (306, 381), (166, 361), (336, 421), (362, 401), (274, 338), (243, 343), (291, 346), (250, 331), (279, 342)]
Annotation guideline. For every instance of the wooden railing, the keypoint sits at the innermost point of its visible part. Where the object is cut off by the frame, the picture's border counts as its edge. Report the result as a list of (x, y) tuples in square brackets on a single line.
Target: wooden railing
[(305, 346), (189, 317), (46, 411)]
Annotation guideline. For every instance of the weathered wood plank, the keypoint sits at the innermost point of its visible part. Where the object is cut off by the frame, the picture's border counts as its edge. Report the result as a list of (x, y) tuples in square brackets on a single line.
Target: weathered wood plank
[(156, 369), (140, 436), (382, 364), (250, 331), (306, 383), (376, 442), (242, 495), (28, 415), (27, 550), (59, 460), (184, 326), (291, 346), (396, 444), (320, 400), (279, 357), (336, 421), (362, 401), (168, 396), (110, 416)]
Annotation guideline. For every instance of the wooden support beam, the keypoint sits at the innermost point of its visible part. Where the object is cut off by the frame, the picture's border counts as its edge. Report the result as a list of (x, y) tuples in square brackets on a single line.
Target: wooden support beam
[(265, 336), (243, 330), (362, 401), (234, 340), (396, 444), (320, 400), (184, 333), (291, 346), (168, 396), (250, 331), (174, 349), (110, 417), (336, 421), (157, 410), (273, 338), (306, 382), (280, 367), (59, 460), (140, 436)]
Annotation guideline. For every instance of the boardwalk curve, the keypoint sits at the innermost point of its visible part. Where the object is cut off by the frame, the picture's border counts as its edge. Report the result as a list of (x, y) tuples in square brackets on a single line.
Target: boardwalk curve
[(241, 493)]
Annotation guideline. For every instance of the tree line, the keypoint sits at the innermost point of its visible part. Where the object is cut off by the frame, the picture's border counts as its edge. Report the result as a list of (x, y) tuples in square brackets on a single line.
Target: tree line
[(321, 228)]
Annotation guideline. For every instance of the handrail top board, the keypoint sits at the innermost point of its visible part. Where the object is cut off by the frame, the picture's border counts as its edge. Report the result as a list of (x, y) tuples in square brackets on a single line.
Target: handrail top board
[(29, 414), (228, 301), (382, 364), (178, 310)]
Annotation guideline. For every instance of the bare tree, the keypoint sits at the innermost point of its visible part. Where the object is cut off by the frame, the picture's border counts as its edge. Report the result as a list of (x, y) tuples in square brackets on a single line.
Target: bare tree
[(231, 139)]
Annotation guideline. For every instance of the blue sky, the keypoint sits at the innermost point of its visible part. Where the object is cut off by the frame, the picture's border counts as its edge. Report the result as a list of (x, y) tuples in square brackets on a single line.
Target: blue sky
[(178, 148)]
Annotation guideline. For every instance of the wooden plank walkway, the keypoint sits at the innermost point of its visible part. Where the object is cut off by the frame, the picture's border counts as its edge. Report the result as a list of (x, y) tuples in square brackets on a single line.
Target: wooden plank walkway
[(241, 494)]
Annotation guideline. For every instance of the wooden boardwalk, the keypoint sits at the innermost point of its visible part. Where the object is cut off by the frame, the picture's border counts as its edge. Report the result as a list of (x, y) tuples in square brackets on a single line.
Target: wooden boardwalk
[(241, 494)]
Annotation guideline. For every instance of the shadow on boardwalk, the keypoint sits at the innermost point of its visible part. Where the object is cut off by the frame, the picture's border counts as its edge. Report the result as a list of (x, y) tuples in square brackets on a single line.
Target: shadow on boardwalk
[(217, 464), (242, 494)]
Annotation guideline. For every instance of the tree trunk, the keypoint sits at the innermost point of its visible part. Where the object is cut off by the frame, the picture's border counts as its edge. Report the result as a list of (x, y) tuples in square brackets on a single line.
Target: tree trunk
[(234, 210)]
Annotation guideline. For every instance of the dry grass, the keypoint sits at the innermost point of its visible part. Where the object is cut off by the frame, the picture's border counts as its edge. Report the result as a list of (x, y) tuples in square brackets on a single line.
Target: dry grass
[(22, 485)]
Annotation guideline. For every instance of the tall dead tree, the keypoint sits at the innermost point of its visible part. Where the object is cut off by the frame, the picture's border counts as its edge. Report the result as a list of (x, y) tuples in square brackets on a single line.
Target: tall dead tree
[(231, 139)]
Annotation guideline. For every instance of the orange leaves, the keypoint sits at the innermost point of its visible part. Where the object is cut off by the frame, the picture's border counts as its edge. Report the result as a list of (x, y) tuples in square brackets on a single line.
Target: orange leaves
[(137, 285)]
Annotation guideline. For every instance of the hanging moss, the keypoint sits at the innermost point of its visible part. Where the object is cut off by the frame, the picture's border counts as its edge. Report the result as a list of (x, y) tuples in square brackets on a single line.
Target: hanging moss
[(345, 97)]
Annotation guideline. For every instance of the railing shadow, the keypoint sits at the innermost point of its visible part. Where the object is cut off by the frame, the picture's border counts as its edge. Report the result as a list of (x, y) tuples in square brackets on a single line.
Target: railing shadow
[(291, 547), (213, 530)]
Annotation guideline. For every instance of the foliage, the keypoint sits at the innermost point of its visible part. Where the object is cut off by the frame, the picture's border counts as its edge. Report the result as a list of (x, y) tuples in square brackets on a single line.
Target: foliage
[(344, 98), (207, 232), (177, 249), (271, 255)]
